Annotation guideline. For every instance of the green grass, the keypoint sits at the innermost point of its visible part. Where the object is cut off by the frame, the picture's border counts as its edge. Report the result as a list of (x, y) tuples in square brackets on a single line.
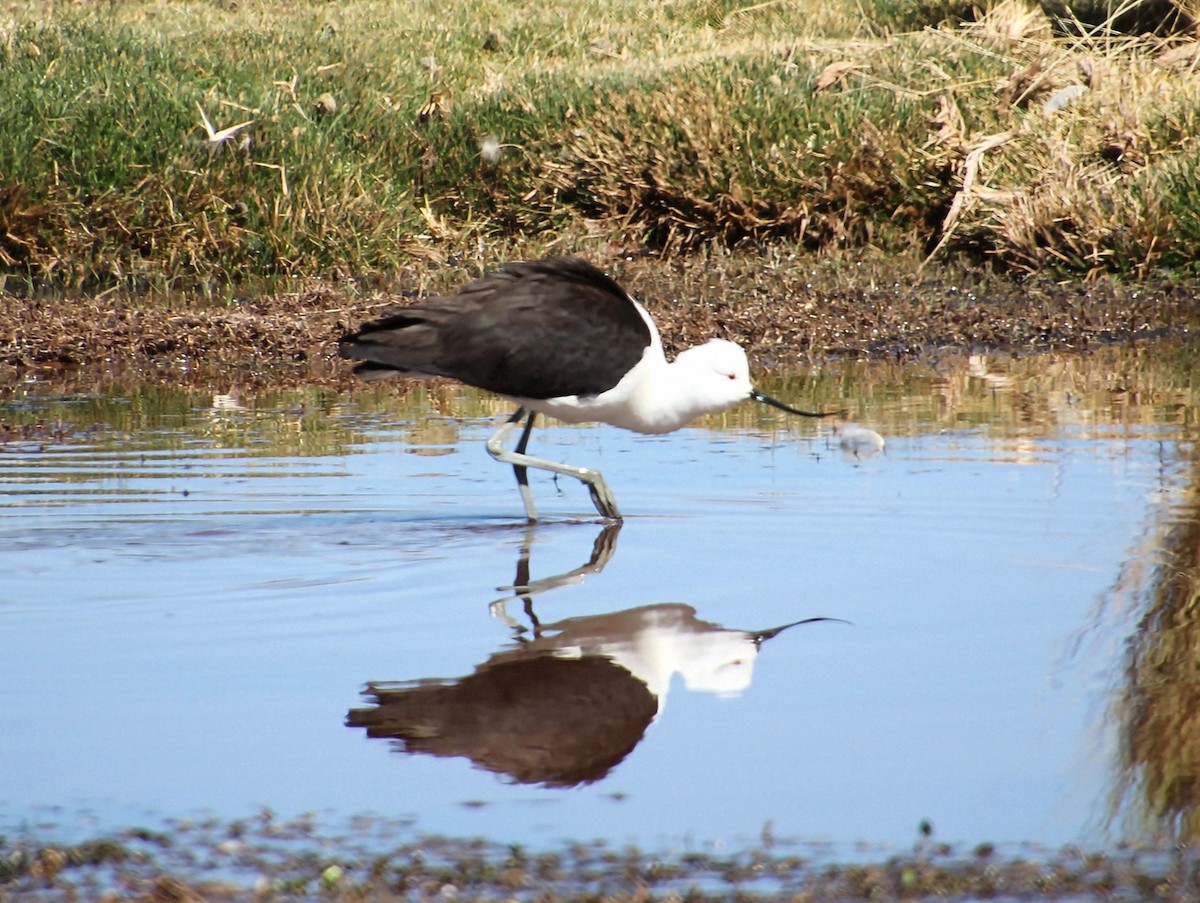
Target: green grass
[(674, 125)]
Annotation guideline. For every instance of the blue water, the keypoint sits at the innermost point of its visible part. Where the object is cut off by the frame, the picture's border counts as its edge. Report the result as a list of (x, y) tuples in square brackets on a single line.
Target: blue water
[(185, 624)]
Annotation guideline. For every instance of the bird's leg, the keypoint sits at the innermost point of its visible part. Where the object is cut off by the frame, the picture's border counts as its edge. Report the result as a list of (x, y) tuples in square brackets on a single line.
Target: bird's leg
[(521, 470), (602, 497), (496, 449)]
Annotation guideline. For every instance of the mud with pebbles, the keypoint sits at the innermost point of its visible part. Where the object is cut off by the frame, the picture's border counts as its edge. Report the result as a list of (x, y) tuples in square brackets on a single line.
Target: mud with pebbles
[(786, 313), (265, 858)]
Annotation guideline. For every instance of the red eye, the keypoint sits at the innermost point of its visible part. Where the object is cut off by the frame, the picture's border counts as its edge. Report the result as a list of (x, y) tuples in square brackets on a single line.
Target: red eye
[(732, 375)]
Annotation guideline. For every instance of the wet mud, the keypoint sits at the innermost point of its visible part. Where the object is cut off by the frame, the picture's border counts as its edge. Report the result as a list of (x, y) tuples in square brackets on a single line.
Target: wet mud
[(784, 312), (265, 859)]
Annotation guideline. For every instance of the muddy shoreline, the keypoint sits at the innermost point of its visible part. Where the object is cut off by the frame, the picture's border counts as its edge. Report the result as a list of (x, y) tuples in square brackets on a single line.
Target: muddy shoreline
[(266, 858), (785, 314)]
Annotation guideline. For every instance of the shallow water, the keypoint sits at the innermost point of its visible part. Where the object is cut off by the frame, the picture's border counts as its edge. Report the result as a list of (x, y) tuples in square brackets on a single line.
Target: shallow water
[(198, 589)]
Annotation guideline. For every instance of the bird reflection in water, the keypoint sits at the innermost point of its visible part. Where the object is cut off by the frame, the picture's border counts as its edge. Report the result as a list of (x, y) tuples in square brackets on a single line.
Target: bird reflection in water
[(568, 701)]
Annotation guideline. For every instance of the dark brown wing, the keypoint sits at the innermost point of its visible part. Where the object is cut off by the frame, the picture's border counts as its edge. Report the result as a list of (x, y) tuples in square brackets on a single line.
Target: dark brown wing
[(541, 329)]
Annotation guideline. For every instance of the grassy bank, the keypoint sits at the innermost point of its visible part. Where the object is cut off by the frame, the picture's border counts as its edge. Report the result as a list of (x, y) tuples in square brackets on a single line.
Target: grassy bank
[(198, 145)]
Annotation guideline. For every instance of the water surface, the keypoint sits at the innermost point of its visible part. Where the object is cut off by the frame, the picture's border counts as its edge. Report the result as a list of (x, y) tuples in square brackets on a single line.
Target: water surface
[(200, 590)]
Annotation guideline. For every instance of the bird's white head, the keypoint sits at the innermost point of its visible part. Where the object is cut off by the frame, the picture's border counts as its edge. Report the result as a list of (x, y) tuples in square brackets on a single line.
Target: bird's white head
[(717, 374)]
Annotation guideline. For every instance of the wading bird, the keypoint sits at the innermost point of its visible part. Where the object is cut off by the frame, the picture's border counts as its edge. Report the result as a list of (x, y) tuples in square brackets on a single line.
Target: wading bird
[(560, 338)]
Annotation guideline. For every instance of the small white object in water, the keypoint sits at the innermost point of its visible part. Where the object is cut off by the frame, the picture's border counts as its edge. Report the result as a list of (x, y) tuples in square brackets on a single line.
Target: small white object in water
[(859, 442)]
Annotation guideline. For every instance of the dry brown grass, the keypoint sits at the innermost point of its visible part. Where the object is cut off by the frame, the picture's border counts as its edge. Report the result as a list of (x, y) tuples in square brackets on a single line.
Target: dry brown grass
[(1094, 137)]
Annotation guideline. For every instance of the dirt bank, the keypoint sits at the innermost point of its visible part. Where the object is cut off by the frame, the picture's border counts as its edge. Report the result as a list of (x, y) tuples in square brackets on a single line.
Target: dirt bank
[(784, 312)]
